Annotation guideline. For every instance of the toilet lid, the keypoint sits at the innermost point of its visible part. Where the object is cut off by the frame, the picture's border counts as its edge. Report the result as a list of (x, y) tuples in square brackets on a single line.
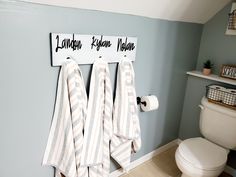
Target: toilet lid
[(203, 154)]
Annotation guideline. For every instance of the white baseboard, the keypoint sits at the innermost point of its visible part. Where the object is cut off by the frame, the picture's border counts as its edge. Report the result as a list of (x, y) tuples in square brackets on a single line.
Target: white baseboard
[(152, 154), (146, 157), (179, 141)]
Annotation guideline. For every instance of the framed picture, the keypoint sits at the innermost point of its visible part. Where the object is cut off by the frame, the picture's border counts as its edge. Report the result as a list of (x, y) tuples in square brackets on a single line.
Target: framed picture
[(231, 27), (228, 71)]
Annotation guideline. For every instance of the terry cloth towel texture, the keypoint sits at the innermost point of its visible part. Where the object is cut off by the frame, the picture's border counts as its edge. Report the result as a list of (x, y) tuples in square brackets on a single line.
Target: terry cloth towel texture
[(65, 139), (98, 125), (126, 128)]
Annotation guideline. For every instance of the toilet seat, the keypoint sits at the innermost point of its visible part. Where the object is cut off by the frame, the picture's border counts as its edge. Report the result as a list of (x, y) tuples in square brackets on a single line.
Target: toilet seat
[(203, 154), (200, 157)]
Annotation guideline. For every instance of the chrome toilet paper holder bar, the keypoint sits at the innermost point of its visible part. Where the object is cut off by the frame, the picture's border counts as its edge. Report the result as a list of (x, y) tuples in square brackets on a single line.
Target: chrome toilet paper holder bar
[(141, 102)]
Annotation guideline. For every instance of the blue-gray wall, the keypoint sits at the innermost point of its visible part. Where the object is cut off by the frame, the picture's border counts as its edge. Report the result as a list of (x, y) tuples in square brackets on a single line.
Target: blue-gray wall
[(166, 50), (220, 48), (215, 45)]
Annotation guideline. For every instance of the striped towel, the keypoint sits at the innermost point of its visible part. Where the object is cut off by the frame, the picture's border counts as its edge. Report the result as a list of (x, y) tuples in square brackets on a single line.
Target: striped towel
[(65, 140), (126, 129), (98, 125)]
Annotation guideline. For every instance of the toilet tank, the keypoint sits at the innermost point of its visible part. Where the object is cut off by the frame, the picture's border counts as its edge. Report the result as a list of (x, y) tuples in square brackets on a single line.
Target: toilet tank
[(218, 124)]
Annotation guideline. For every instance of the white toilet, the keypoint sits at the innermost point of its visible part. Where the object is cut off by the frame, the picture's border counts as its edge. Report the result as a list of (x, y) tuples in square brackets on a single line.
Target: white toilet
[(206, 157)]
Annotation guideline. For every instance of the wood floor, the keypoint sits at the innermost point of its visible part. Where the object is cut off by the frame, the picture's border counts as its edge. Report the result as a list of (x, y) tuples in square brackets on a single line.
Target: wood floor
[(163, 165)]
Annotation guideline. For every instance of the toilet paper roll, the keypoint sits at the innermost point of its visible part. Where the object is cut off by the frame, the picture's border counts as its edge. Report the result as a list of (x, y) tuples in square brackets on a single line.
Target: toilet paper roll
[(216, 92), (151, 103), (230, 97)]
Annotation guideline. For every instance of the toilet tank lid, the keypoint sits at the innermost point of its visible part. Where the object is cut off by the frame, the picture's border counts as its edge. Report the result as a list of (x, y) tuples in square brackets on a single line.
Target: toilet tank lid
[(218, 108), (202, 153)]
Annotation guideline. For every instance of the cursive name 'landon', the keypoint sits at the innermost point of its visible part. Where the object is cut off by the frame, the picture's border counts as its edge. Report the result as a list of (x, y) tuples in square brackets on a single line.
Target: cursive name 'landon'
[(68, 43), (98, 43), (123, 46)]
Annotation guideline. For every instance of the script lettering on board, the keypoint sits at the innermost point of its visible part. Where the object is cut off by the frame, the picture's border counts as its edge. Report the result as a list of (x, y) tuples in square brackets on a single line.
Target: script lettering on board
[(68, 43), (98, 43), (123, 46), (84, 49)]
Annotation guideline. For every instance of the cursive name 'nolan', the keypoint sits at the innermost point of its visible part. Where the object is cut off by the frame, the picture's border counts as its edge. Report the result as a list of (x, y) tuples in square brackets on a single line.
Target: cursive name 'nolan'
[(123, 46), (68, 43), (98, 43)]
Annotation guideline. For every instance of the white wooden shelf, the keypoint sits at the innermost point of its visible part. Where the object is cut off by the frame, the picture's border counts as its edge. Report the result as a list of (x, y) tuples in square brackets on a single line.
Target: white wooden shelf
[(212, 77)]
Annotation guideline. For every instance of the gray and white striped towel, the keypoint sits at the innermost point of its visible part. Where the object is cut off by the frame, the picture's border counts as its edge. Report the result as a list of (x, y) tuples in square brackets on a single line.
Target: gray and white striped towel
[(126, 129), (98, 125), (65, 140)]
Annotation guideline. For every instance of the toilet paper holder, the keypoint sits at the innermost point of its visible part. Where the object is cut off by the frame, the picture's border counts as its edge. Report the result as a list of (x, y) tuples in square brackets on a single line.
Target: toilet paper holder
[(141, 102)]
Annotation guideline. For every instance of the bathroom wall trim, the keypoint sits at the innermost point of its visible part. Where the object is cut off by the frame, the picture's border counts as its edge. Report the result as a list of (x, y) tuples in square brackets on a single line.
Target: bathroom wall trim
[(146, 157), (157, 151)]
